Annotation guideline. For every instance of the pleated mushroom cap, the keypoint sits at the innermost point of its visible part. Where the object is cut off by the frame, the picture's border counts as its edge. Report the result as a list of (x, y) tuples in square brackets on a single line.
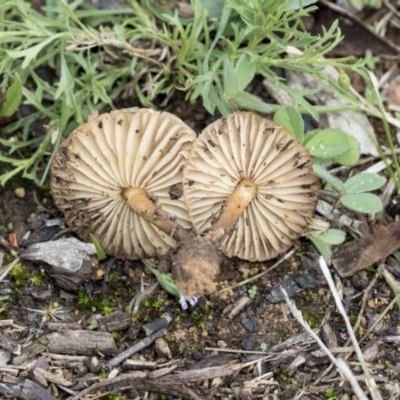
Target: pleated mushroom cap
[(139, 148), (245, 147)]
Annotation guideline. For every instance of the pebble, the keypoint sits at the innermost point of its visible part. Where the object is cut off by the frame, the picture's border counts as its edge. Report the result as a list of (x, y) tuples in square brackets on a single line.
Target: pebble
[(250, 324), (20, 192), (249, 344), (305, 281), (197, 356), (290, 286)]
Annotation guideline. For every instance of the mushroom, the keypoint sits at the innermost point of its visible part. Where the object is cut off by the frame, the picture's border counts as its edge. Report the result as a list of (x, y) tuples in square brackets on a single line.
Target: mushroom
[(119, 177), (248, 176)]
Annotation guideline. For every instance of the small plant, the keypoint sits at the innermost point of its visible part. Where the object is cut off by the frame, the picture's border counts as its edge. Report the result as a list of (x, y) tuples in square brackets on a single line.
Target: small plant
[(84, 299), (114, 276), (19, 274), (36, 279), (107, 309), (252, 291), (331, 394), (263, 346), (115, 335)]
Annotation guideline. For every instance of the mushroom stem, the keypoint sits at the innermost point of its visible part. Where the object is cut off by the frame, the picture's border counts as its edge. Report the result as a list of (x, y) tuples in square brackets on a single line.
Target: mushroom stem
[(237, 202), (139, 201)]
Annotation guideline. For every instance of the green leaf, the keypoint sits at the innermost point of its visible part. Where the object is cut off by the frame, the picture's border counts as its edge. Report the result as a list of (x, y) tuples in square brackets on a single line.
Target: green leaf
[(363, 182), (344, 80), (310, 135), (250, 102), (350, 156), (362, 202), (12, 98), (328, 143), (101, 255), (31, 53), (245, 71), (231, 84), (164, 280), (333, 236), (66, 84), (291, 119), (298, 4), (214, 7), (323, 247)]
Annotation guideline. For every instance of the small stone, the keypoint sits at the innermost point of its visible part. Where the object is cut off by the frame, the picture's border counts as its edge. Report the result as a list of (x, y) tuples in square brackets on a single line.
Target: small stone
[(289, 285), (20, 192), (360, 280), (249, 344), (35, 224), (305, 281), (250, 324), (197, 356)]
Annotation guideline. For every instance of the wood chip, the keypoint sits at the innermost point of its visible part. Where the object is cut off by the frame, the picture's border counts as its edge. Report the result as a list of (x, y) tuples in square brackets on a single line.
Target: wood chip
[(117, 321), (359, 254), (9, 344), (234, 309), (80, 342)]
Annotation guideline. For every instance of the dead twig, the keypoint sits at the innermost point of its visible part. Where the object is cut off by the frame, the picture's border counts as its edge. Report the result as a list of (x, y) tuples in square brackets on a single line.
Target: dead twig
[(135, 348)]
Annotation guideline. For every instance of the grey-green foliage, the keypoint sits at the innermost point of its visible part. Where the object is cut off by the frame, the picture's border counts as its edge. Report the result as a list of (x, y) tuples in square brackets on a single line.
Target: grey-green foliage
[(73, 59)]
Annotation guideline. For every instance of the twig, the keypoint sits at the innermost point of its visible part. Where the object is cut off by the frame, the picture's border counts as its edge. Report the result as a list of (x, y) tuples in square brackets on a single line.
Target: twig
[(365, 296), (135, 348), (4, 271), (379, 319), (340, 364)]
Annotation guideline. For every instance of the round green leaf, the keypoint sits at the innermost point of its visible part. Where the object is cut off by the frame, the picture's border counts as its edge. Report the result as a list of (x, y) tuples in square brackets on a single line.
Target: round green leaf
[(364, 182), (350, 156), (362, 202), (328, 143)]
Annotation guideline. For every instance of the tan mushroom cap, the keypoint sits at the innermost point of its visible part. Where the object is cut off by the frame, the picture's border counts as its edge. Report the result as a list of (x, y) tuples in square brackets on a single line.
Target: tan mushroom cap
[(133, 148), (250, 158)]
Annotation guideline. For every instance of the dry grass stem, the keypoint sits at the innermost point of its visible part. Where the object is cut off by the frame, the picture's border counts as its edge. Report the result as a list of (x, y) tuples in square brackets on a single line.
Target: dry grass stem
[(371, 384), (345, 371)]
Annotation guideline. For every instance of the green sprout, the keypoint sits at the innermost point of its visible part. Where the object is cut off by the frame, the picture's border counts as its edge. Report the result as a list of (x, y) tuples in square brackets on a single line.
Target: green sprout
[(252, 291)]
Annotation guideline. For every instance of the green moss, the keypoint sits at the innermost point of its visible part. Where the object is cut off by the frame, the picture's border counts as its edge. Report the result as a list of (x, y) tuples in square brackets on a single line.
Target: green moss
[(114, 276), (36, 279), (19, 273), (284, 376), (312, 318)]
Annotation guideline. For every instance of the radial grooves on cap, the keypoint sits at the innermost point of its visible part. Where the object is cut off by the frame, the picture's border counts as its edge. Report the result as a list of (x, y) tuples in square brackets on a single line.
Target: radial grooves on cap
[(145, 149), (245, 145)]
